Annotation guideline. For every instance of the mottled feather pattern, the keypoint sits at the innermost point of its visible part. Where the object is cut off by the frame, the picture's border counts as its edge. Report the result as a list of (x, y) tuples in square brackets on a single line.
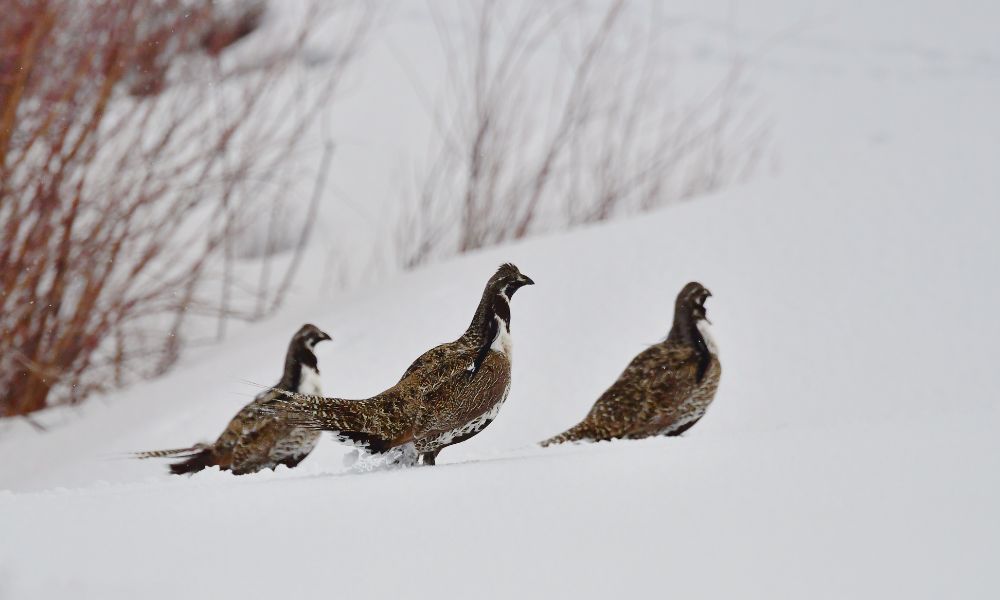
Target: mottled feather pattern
[(440, 400), (254, 440), (435, 398), (665, 389), (455, 390), (656, 392), (264, 442)]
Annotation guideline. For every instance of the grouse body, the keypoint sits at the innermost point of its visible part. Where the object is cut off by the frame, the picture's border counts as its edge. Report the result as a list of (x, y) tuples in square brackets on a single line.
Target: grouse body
[(666, 389), (449, 394), (254, 441)]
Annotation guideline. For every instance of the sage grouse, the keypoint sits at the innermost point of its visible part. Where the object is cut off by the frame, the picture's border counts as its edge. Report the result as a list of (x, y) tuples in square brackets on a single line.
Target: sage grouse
[(449, 394), (254, 441), (666, 389)]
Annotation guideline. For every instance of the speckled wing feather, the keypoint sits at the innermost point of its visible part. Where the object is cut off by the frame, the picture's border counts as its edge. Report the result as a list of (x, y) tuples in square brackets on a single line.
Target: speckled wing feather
[(666, 380), (642, 392), (463, 396), (434, 356), (248, 420), (226, 442), (438, 395), (268, 442), (616, 410), (250, 452)]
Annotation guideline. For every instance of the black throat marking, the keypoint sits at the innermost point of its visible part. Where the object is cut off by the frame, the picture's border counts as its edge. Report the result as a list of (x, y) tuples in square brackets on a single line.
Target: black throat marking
[(501, 308), (490, 329), (685, 330), (298, 355)]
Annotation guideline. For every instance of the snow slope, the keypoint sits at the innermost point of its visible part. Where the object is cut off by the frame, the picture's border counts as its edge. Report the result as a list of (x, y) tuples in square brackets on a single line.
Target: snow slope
[(852, 451)]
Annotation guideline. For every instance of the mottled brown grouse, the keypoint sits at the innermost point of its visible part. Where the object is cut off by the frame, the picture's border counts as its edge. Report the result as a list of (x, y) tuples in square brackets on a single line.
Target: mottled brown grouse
[(666, 389), (254, 441), (449, 394)]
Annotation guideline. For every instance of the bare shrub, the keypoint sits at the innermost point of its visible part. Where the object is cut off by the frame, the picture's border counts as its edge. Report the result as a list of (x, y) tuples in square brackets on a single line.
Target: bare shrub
[(136, 137), (554, 116)]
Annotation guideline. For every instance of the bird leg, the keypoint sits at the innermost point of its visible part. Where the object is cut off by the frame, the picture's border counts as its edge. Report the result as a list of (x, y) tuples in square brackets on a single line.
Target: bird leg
[(407, 456)]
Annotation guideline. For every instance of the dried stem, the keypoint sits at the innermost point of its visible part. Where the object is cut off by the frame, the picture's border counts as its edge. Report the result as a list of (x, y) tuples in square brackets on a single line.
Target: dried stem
[(619, 139), (127, 132)]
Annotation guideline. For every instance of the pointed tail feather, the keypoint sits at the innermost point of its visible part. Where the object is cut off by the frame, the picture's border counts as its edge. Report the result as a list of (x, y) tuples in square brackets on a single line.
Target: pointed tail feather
[(172, 453), (196, 458)]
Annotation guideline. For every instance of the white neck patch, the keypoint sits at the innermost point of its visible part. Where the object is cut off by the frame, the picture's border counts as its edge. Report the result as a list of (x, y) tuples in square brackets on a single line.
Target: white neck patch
[(309, 382), (502, 343), (706, 334)]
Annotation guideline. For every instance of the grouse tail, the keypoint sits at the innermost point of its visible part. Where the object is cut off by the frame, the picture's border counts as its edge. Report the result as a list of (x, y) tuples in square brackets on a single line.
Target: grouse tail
[(377, 423), (194, 463), (197, 457), (169, 453), (577, 433)]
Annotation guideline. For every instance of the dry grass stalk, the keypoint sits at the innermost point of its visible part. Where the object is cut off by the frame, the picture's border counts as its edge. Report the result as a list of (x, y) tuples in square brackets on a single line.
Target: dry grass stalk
[(128, 133), (601, 132)]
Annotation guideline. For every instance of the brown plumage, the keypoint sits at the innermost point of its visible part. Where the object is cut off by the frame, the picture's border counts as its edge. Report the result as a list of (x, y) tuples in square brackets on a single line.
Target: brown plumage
[(666, 389), (449, 394), (254, 441)]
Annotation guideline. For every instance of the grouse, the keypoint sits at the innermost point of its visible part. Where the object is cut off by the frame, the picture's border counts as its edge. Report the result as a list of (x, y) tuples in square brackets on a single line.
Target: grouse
[(449, 394), (666, 389), (254, 441)]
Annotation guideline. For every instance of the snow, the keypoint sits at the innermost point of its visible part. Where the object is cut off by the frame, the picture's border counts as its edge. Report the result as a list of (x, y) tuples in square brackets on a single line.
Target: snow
[(852, 450)]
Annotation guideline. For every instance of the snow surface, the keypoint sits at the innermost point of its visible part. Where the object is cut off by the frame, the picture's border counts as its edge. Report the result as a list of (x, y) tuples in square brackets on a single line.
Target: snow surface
[(852, 451)]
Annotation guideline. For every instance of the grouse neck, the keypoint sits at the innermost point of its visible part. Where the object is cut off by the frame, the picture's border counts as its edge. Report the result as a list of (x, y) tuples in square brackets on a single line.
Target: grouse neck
[(685, 331), (685, 328), (298, 356), (492, 305)]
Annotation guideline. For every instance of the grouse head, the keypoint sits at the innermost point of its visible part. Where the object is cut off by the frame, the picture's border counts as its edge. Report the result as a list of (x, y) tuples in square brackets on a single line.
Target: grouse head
[(496, 299), (308, 336), (690, 303), (507, 280), (300, 354), (689, 310)]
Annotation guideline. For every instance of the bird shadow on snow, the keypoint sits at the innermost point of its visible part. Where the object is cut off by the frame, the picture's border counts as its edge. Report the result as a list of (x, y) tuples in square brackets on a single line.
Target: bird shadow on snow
[(383, 465)]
